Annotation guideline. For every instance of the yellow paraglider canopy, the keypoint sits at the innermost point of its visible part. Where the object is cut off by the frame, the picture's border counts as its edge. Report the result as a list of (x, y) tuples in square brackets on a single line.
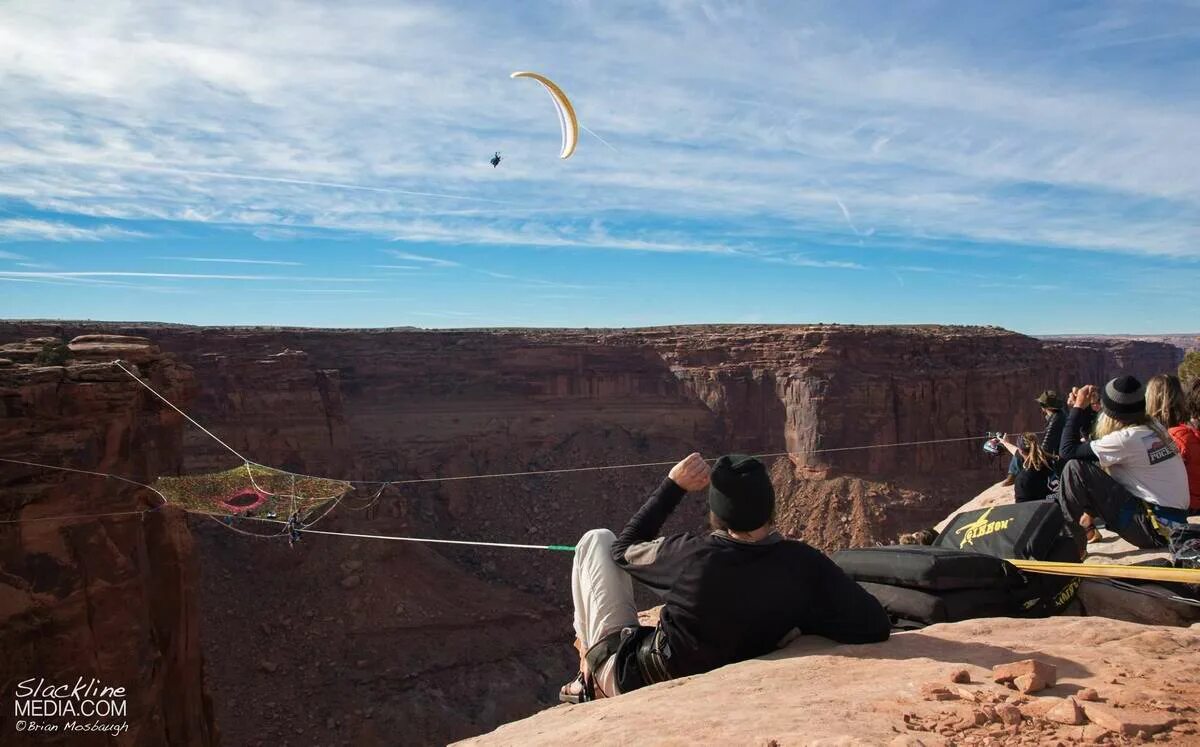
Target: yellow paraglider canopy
[(566, 112)]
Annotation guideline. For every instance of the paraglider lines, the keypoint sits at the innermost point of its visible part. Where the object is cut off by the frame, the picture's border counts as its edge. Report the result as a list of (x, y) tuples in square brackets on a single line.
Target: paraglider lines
[(588, 131)]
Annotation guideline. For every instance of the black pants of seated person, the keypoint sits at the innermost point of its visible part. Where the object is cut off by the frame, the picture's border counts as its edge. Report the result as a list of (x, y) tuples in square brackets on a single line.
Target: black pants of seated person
[(1085, 488)]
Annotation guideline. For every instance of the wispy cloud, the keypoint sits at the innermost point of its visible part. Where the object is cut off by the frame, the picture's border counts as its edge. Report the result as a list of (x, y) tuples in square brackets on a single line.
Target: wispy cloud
[(314, 290), (566, 235), (432, 261), (922, 134), (530, 281), (235, 261), (799, 260), (813, 137), (173, 276), (287, 181), (30, 229), (10, 255)]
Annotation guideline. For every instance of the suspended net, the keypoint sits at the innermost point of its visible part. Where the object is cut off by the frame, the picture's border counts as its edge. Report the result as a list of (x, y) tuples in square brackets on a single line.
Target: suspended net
[(251, 490)]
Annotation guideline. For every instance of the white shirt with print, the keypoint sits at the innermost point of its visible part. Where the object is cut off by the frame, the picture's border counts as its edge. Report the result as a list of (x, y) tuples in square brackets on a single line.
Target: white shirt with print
[(1147, 466)]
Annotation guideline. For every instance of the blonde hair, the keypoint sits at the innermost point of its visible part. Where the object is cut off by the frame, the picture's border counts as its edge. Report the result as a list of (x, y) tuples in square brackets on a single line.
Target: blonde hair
[(1107, 424), (1165, 402), (1036, 458), (1193, 401)]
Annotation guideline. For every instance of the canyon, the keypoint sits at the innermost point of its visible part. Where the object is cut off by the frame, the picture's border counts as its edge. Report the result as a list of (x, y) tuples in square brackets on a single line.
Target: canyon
[(359, 641), (112, 597), (1185, 342)]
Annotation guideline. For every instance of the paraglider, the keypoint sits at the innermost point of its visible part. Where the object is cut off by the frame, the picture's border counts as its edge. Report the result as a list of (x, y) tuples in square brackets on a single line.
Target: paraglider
[(495, 160), (566, 113)]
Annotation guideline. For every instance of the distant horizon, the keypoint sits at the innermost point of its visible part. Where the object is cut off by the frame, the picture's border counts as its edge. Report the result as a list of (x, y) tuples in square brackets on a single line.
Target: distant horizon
[(152, 323), (1027, 165)]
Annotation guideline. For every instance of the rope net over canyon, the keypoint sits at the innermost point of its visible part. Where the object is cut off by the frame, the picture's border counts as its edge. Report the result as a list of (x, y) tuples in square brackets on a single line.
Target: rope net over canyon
[(251, 490)]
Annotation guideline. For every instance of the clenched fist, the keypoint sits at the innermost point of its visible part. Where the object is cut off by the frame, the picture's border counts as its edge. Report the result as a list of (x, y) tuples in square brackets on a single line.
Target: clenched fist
[(690, 474), (1084, 396)]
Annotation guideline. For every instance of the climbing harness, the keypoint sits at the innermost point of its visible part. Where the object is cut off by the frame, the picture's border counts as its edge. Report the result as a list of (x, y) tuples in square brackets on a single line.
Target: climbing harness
[(294, 527)]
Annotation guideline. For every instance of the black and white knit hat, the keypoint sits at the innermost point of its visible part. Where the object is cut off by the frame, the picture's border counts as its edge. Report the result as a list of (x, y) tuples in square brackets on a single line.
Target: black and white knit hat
[(1124, 395)]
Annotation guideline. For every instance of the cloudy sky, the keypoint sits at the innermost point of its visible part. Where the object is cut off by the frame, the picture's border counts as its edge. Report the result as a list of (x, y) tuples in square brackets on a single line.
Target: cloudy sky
[(1030, 165)]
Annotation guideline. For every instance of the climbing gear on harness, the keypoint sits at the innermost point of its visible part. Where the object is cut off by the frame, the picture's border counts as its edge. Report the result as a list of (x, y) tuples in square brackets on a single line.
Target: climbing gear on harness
[(293, 529)]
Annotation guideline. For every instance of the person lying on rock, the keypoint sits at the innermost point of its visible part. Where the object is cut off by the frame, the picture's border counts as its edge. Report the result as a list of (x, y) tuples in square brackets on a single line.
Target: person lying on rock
[(1129, 473), (728, 595)]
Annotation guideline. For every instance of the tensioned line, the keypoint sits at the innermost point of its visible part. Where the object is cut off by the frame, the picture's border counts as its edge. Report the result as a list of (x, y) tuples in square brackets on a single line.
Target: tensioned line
[(527, 473), (385, 483), (1106, 573), (282, 533), (181, 412)]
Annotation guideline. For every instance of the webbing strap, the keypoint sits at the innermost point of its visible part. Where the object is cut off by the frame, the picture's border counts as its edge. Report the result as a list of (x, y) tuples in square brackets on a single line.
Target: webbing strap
[(1139, 572)]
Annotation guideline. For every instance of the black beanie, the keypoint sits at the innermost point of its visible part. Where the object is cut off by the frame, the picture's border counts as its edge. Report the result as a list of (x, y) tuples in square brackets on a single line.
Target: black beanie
[(1124, 395), (740, 492)]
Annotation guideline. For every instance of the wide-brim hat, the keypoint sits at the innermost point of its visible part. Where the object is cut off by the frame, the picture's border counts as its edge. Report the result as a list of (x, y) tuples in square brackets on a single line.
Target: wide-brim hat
[(1051, 400)]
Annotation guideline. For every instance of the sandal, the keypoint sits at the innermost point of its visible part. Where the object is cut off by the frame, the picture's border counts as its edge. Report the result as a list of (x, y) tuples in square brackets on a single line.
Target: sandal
[(575, 691)]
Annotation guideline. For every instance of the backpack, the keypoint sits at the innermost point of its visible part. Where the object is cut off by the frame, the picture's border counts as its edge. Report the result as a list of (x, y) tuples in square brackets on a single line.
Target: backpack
[(1024, 531), (964, 574)]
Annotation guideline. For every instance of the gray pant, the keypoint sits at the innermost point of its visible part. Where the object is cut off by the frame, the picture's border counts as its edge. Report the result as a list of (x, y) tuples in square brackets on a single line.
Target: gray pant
[(1085, 488), (603, 595)]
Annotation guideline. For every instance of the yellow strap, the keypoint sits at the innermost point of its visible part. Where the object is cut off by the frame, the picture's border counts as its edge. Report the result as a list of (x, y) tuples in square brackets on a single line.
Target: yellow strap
[(1141, 572)]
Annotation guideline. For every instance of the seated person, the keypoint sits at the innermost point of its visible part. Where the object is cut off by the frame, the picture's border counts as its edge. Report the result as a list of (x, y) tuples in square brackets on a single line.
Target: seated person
[(1166, 403), (1130, 472), (1036, 478), (1052, 411), (729, 594)]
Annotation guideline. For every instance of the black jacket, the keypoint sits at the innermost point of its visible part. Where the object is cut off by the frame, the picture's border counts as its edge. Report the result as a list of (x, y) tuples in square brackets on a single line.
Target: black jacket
[(1052, 438), (1071, 445), (726, 600)]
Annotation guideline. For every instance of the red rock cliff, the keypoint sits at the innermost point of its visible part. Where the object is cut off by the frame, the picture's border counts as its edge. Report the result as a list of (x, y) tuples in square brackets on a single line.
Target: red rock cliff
[(112, 597), (378, 404), (388, 404)]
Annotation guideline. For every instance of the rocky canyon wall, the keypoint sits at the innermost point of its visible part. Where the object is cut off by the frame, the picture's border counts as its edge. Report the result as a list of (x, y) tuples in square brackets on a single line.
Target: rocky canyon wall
[(109, 597), (384, 404), (426, 634)]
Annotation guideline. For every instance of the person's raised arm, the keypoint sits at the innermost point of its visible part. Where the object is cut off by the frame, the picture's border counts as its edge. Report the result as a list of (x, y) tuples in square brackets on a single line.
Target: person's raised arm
[(638, 548), (1012, 447), (1079, 419)]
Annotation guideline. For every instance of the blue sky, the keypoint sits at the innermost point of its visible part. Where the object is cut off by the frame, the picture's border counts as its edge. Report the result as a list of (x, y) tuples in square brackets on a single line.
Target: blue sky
[(1030, 165)]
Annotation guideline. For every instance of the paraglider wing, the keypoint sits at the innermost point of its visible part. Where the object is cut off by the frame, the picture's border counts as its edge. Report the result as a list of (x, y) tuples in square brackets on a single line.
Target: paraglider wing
[(566, 112)]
